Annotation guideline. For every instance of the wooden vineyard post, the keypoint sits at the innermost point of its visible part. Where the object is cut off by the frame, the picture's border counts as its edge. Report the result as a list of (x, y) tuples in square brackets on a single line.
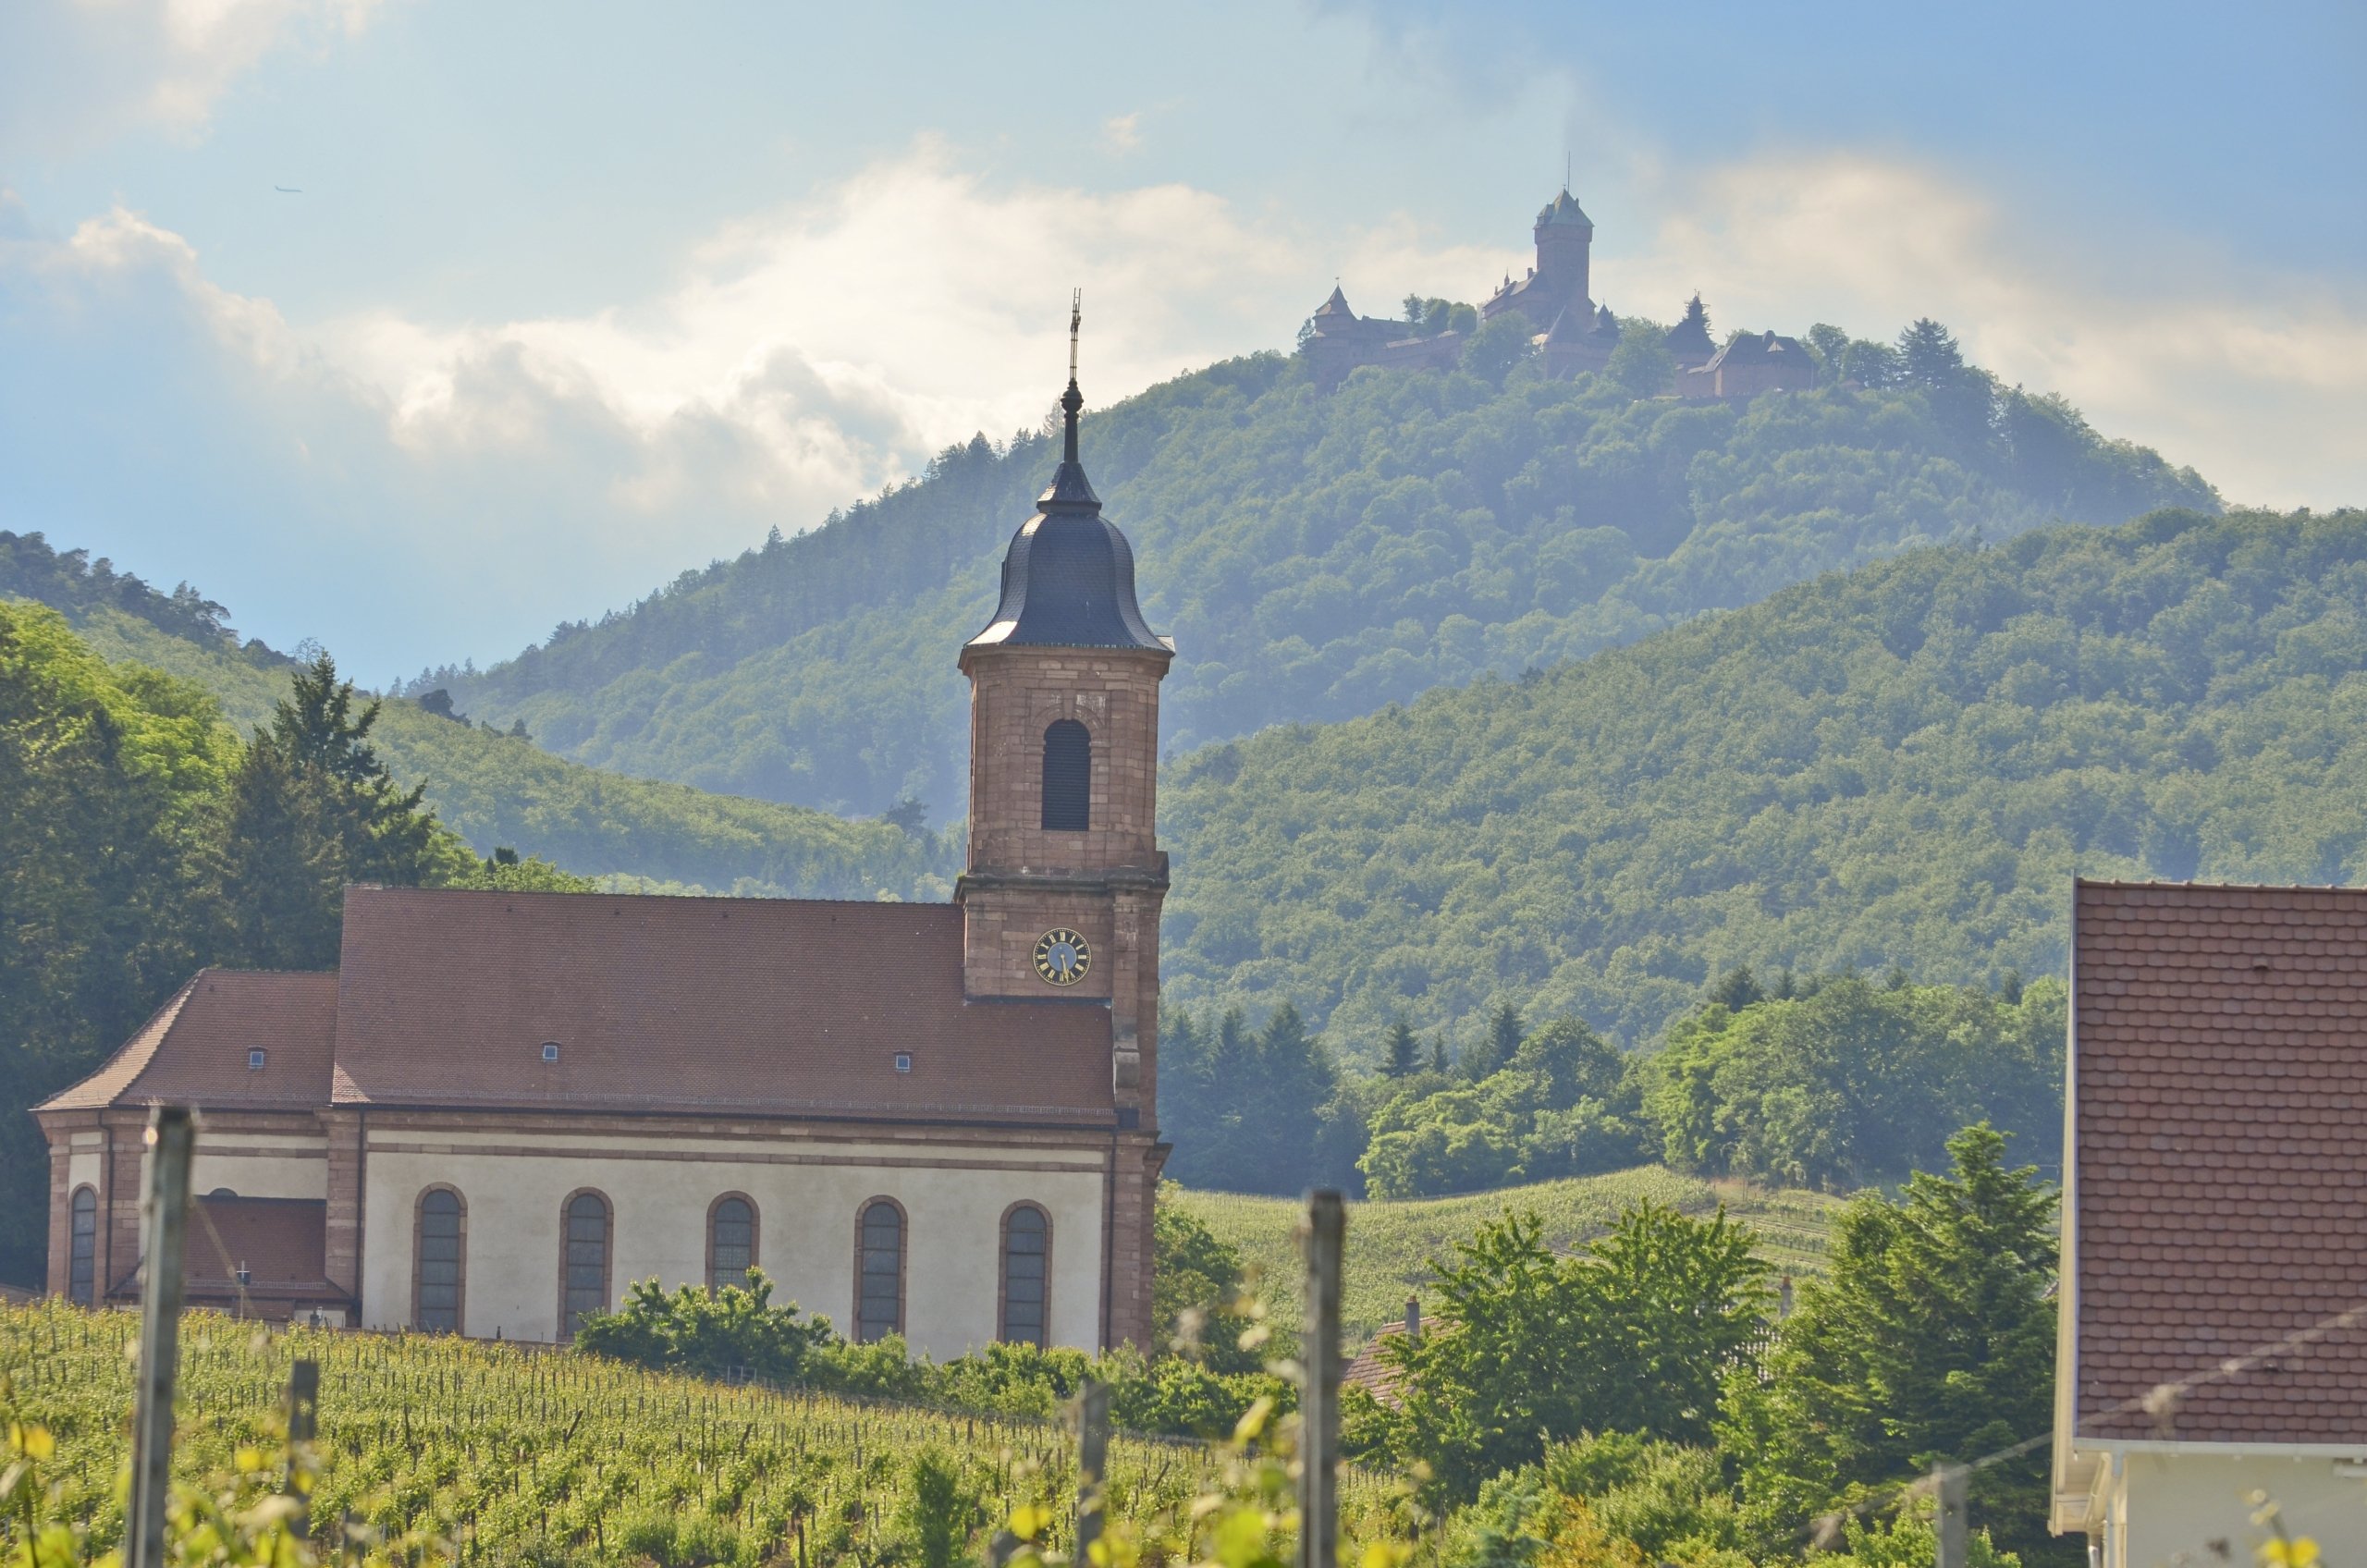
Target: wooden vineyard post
[(1948, 1488), (303, 1421), (1319, 1451), (1092, 1459), (170, 1135)]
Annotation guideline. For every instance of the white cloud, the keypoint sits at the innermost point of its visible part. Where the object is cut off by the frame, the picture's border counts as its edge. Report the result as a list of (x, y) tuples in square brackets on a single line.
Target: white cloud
[(411, 490), (488, 479), (2258, 381), (73, 72), (1122, 133)]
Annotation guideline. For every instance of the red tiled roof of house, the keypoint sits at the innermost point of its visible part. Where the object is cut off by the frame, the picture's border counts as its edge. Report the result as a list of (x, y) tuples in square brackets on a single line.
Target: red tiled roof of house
[(194, 1050), (1370, 1372), (2220, 1186), (751, 1006)]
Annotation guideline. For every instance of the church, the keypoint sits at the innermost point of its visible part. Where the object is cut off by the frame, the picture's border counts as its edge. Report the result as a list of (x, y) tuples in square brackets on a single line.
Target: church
[(501, 1110)]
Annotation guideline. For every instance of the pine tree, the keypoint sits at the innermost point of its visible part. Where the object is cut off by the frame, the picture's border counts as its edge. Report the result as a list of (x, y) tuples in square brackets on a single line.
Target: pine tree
[(1403, 1055), (1502, 1042), (314, 809), (1932, 1338)]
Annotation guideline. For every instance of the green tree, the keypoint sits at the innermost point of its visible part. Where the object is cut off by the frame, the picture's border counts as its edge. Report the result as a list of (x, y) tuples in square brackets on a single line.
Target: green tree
[(1491, 352), (1497, 1048), (1932, 1339), (108, 780), (1199, 1302), (1962, 397), (1629, 1334), (313, 809), (1642, 365), (733, 1331), (942, 1510), (1675, 1305), (1401, 1055)]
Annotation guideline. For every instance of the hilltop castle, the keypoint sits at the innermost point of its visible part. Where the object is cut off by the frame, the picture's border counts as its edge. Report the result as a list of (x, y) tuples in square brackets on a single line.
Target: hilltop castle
[(1572, 331)]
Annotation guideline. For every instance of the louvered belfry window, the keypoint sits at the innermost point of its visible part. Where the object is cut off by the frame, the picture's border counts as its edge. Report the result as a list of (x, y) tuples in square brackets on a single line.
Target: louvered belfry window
[(1068, 777)]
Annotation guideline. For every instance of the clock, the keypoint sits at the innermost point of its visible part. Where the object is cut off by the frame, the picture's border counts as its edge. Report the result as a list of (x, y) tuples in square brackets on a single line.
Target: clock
[(1062, 957)]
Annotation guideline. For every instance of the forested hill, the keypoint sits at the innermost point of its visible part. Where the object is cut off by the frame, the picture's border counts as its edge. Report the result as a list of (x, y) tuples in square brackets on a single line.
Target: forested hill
[(1316, 556), (495, 788), (1902, 765)]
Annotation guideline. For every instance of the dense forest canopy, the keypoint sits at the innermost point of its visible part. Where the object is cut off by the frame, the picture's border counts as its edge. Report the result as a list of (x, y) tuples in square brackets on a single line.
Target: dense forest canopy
[(1902, 764), (495, 787), (1315, 556)]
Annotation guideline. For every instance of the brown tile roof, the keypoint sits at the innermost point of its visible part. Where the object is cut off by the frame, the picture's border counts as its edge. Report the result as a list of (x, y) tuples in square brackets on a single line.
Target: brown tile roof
[(2220, 1130), (195, 1049), (752, 1006), (1370, 1372)]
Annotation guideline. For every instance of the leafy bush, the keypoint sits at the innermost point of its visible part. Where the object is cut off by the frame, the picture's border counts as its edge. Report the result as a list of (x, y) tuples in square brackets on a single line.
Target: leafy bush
[(1632, 1333), (735, 1331)]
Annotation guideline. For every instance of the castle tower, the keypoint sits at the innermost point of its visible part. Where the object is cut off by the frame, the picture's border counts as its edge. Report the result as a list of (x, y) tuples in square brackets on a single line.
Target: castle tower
[(1061, 896), (1564, 249)]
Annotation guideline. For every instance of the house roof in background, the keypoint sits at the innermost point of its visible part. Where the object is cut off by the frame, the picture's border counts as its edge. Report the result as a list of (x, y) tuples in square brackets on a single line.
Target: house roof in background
[(2220, 1140)]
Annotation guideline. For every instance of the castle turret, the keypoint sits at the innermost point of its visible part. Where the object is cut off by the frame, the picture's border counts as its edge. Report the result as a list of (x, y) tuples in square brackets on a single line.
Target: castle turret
[(1561, 278), (1565, 250)]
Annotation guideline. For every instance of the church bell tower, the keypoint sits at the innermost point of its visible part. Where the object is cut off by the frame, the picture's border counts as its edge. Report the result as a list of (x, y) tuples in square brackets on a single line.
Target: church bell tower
[(1060, 900)]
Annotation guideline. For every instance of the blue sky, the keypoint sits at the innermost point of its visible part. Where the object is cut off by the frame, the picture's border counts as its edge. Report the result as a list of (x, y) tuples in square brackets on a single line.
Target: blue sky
[(577, 296)]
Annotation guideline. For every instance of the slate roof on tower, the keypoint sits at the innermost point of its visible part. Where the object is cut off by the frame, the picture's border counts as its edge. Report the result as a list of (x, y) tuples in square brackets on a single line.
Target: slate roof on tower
[(1563, 210), (1068, 580), (2218, 1163)]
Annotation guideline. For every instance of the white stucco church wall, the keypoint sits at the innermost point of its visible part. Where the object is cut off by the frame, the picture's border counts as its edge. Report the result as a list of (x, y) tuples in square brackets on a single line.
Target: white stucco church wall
[(807, 1194)]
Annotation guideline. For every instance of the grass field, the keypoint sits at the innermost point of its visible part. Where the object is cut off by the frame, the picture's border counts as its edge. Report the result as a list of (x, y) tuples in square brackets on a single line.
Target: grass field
[(514, 1455), (1390, 1244)]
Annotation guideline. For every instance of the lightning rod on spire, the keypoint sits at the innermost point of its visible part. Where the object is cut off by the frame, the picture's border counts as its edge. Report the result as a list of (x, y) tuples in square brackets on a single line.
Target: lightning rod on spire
[(1072, 401)]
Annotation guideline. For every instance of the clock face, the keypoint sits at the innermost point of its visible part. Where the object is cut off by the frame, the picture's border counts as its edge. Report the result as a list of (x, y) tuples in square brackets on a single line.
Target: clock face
[(1062, 957)]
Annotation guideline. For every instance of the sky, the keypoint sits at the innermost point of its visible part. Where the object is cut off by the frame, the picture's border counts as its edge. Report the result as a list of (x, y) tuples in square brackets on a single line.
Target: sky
[(418, 326)]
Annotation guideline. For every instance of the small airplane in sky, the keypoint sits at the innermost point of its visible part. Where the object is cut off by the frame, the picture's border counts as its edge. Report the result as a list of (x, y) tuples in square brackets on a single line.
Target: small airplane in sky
[(289, 190)]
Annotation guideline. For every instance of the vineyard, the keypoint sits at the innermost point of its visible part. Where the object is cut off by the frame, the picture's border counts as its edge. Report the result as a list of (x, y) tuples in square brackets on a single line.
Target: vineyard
[(517, 1455), (1391, 1242)]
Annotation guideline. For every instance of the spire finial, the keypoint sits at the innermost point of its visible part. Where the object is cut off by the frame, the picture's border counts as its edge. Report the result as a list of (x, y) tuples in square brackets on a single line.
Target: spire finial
[(1072, 401)]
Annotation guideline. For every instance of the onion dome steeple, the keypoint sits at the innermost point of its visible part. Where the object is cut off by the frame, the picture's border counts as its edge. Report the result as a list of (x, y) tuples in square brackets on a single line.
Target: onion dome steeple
[(1068, 578)]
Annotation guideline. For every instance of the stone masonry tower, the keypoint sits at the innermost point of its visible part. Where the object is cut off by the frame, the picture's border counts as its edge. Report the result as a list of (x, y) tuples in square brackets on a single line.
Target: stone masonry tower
[(1565, 250), (1063, 893)]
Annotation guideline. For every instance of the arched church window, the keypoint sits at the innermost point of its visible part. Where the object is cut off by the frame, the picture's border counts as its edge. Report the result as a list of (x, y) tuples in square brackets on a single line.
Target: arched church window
[(82, 1249), (1068, 777), (879, 1271), (436, 1267), (583, 1260), (1026, 1271), (730, 1242)]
